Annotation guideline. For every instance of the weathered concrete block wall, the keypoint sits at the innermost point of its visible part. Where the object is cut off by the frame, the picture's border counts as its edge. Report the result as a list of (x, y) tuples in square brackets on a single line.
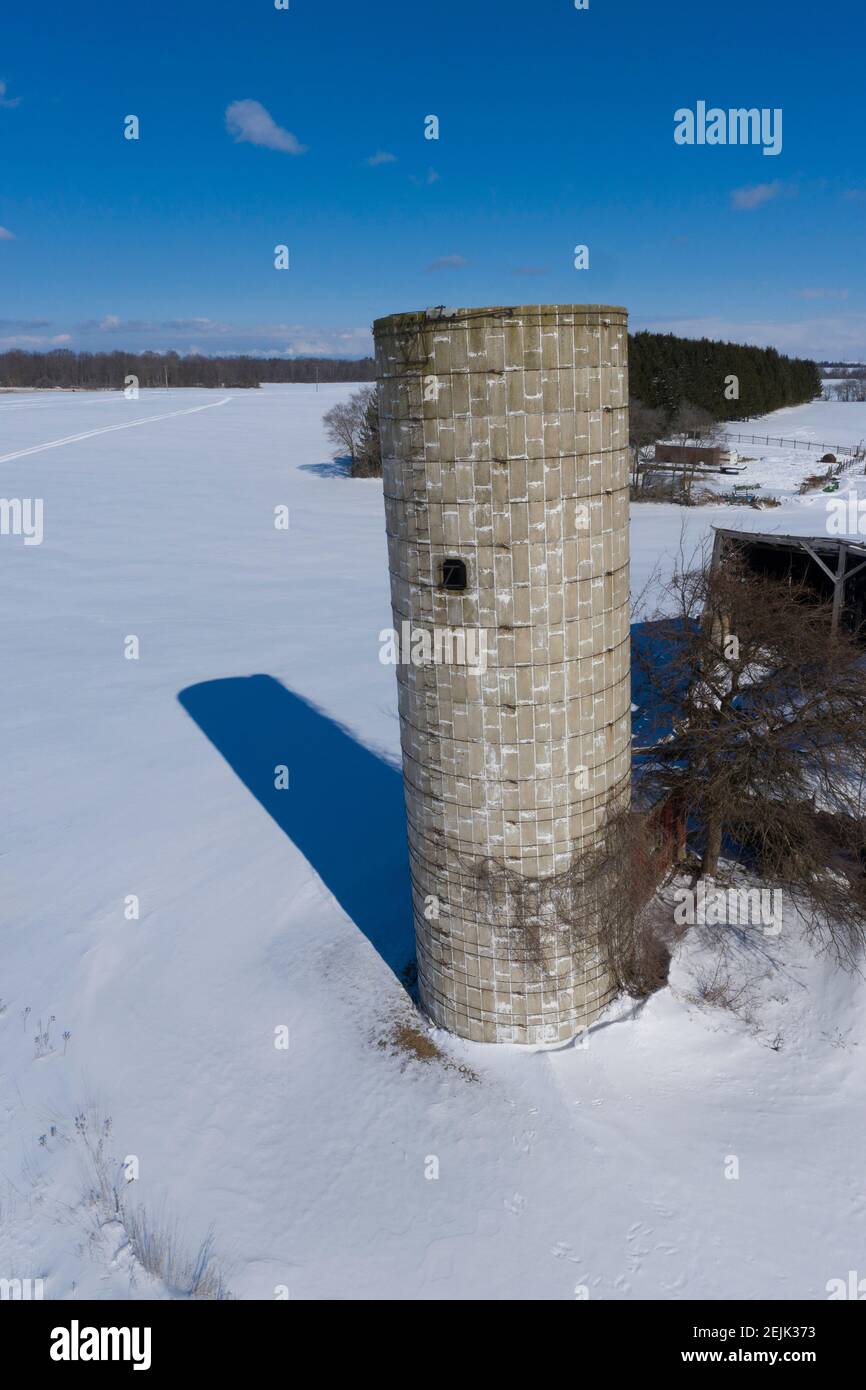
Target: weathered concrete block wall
[(504, 437)]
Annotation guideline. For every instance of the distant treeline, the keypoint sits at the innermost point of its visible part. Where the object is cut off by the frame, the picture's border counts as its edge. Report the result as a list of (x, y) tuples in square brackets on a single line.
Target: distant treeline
[(843, 369), (665, 371), (89, 371)]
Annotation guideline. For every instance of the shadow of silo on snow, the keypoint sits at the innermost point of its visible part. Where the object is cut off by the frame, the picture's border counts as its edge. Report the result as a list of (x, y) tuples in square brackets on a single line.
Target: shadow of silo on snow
[(656, 644), (344, 807)]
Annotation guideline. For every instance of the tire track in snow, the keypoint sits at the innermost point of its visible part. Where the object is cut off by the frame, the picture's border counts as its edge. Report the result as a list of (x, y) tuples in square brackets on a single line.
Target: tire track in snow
[(63, 399), (107, 429)]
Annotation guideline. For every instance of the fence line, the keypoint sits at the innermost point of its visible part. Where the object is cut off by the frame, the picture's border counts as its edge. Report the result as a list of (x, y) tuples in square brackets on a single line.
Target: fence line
[(857, 451)]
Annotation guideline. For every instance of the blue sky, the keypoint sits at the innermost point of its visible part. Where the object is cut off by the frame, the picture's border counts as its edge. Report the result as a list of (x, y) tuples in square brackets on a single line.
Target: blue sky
[(556, 129)]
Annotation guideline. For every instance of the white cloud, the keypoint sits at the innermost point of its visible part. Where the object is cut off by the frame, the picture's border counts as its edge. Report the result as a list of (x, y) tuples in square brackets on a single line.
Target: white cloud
[(381, 157), (212, 336), (249, 122), (113, 323), (35, 340), (199, 324), (822, 294), (448, 263), (756, 194), (4, 100), (6, 235)]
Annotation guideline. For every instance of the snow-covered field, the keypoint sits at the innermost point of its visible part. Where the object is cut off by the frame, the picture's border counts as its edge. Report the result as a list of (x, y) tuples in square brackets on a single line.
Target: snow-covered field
[(779, 470), (593, 1171)]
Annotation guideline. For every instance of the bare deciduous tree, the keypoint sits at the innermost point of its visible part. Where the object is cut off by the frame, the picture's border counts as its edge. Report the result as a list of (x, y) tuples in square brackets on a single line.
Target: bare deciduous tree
[(767, 748), (598, 908), (353, 429), (645, 425), (692, 422), (343, 423)]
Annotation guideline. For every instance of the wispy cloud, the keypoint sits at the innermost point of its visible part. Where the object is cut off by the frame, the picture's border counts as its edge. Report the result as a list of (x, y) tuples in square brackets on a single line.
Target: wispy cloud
[(26, 333), (213, 336), (113, 323), (448, 263), (822, 294), (530, 270), (856, 195), (430, 177), (754, 195), (35, 340), (250, 123), (381, 157), (4, 100), (6, 235)]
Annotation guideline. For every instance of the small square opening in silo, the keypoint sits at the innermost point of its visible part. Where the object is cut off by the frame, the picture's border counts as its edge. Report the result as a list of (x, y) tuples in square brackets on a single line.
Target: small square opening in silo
[(454, 575)]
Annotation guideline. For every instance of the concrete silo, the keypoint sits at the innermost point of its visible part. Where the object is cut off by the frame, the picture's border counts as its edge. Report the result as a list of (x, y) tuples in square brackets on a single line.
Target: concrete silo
[(504, 442)]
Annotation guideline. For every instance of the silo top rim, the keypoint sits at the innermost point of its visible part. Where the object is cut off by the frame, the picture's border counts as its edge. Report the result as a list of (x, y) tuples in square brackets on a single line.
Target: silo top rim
[(417, 317)]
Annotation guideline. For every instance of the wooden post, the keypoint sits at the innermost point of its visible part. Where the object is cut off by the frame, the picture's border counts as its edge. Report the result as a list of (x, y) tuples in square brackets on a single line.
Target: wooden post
[(839, 585)]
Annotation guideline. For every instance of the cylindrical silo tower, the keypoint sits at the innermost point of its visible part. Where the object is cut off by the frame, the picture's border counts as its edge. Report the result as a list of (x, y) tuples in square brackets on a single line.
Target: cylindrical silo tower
[(504, 444)]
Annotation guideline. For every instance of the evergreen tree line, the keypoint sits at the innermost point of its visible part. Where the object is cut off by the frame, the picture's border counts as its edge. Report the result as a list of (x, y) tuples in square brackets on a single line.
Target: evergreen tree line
[(665, 371), (109, 370)]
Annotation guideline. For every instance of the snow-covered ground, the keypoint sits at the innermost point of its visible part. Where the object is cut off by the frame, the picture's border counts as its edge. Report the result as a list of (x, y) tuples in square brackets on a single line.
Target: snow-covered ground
[(779, 470), (776, 470), (602, 1170)]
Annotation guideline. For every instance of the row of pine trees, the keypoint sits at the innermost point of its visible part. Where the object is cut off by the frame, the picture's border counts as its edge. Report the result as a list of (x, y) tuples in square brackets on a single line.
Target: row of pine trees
[(664, 372)]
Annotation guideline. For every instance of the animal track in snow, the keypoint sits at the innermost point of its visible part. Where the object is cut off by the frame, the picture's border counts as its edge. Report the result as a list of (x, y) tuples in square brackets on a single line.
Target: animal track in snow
[(515, 1204)]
